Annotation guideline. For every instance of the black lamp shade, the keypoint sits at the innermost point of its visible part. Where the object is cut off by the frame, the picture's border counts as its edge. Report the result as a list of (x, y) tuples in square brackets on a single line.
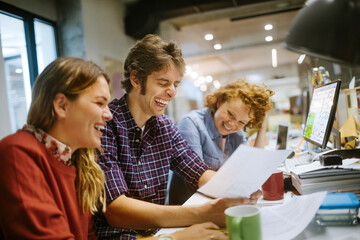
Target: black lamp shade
[(327, 29)]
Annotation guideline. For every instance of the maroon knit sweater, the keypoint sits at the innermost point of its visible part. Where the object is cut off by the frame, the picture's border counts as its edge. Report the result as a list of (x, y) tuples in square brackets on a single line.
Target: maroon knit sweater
[(38, 197)]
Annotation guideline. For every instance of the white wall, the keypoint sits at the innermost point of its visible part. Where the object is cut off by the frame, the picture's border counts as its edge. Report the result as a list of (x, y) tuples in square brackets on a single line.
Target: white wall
[(104, 30)]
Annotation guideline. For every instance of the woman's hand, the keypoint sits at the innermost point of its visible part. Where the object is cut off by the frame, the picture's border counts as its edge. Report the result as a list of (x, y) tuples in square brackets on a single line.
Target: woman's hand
[(208, 231)]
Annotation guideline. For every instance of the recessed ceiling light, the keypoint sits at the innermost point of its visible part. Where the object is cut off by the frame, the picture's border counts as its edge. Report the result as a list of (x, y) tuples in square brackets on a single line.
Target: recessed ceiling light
[(201, 79), (269, 38), (217, 84), (217, 46), (268, 27), (203, 87), (209, 37)]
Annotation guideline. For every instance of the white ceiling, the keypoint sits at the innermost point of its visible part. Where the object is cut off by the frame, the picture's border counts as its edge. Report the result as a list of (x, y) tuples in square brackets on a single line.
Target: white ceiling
[(244, 53)]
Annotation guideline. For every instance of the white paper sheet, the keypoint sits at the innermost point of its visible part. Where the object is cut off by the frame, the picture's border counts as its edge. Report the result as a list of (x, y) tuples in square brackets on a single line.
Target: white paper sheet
[(281, 222), (244, 172), (286, 221)]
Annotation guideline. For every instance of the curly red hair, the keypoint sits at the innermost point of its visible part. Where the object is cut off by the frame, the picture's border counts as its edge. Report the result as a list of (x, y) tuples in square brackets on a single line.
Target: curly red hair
[(255, 97)]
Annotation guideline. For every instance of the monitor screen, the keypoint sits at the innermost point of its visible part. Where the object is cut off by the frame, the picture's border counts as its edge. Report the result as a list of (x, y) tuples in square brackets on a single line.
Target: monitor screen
[(282, 135), (321, 114)]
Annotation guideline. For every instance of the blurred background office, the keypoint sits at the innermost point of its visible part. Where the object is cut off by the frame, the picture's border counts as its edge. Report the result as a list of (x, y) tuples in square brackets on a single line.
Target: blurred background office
[(221, 40)]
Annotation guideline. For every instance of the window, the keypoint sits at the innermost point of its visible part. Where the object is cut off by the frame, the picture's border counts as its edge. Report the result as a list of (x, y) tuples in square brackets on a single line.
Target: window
[(28, 44), (45, 44)]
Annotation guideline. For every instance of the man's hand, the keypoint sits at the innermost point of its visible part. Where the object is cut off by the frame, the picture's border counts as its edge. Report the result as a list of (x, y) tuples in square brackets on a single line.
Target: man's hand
[(214, 210), (255, 196)]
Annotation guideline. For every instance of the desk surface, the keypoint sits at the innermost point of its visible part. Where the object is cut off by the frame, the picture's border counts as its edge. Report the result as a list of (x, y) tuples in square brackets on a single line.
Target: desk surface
[(311, 232), (316, 232)]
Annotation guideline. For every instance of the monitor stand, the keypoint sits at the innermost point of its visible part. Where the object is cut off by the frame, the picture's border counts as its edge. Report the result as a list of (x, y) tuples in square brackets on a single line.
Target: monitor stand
[(336, 138)]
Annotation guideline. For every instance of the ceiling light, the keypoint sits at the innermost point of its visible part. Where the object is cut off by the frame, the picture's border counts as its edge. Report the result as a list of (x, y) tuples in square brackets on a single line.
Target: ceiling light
[(203, 87), (197, 83), (209, 79), (268, 27), (217, 84), (217, 46), (209, 37), (201, 79), (274, 57), (301, 58), (269, 38)]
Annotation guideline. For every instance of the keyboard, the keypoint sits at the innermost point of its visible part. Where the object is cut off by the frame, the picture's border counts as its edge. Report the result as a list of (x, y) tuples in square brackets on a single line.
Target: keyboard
[(291, 163)]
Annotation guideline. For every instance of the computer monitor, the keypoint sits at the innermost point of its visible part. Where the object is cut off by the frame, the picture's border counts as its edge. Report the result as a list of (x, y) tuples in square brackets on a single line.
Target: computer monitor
[(282, 135), (321, 114)]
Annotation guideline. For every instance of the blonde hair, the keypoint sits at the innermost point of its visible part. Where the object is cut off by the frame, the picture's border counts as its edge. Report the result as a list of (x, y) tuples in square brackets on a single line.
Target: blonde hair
[(70, 76), (256, 98)]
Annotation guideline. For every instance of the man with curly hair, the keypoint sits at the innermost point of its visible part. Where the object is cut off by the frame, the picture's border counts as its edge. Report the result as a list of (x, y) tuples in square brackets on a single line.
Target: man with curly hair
[(217, 130)]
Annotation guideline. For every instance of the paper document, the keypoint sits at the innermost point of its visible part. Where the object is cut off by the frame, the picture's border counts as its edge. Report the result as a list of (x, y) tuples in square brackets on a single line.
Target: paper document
[(286, 221), (281, 222), (244, 172)]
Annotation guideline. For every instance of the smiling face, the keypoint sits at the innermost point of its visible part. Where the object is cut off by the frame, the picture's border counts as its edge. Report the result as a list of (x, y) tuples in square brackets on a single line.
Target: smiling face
[(160, 89), (86, 116), (231, 117)]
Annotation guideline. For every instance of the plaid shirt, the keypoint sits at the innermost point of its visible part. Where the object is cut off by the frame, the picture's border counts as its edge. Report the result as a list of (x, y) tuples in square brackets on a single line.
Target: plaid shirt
[(137, 164)]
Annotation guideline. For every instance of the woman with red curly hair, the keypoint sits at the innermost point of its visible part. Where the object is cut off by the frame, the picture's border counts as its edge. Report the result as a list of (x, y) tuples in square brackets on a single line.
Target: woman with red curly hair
[(217, 130)]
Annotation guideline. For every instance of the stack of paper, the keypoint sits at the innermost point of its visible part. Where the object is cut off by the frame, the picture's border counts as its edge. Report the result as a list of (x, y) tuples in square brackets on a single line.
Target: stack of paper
[(314, 177)]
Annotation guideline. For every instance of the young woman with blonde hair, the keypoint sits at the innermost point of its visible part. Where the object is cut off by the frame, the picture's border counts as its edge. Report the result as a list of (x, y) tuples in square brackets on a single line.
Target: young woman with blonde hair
[(50, 180)]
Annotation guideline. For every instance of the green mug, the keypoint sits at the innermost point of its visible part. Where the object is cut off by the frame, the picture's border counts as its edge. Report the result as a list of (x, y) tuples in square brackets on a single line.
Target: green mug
[(243, 222)]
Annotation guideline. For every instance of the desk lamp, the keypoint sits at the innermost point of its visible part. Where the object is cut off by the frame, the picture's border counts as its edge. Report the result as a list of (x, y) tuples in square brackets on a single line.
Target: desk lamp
[(327, 29), (330, 30)]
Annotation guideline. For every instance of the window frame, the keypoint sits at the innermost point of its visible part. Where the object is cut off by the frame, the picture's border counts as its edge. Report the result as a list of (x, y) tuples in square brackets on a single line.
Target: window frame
[(28, 18)]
